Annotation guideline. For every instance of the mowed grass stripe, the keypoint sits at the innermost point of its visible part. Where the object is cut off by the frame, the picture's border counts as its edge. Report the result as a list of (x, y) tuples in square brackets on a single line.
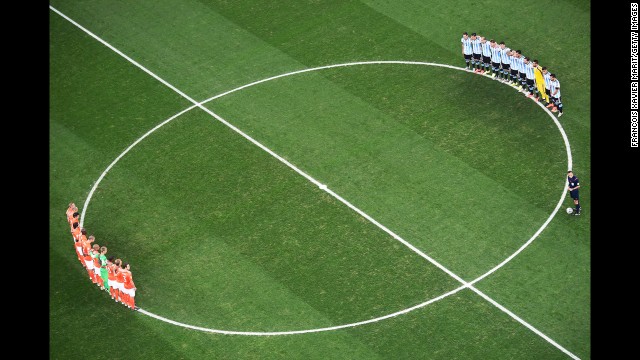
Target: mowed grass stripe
[(78, 155), (462, 326), (245, 350), (86, 308), (557, 268), (188, 44), (435, 200), (443, 23), (199, 186)]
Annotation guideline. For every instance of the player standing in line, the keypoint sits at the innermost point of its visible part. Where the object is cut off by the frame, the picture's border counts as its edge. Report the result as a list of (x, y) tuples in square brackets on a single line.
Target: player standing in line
[(70, 210), (86, 251), (555, 94), (124, 292), (466, 50), (76, 230), (522, 73), (513, 58), (103, 268), (111, 277), (95, 255), (486, 54), (119, 281), (574, 185), (495, 58), (531, 83), (77, 244), (506, 62), (547, 89), (477, 53), (75, 218), (129, 287)]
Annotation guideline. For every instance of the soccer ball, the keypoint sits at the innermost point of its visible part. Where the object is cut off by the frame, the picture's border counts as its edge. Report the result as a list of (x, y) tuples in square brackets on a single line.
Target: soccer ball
[(569, 210)]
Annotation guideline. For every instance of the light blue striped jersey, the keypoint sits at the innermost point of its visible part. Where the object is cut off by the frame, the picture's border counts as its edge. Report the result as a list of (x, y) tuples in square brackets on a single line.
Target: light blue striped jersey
[(515, 63), (529, 70), (495, 54), (519, 63), (486, 49), (505, 57), (513, 60), (547, 79), (467, 45), (555, 84), (523, 66), (477, 46)]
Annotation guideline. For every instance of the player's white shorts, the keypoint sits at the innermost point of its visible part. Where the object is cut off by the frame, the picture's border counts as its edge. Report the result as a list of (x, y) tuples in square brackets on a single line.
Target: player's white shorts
[(131, 292), (96, 270), (89, 264), (79, 250), (118, 285)]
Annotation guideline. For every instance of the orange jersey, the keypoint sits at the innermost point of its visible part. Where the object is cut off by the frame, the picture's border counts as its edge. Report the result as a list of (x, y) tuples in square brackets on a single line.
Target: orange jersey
[(96, 258), (128, 280), (69, 214), (120, 275), (76, 232), (111, 272), (73, 220), (86, 250)]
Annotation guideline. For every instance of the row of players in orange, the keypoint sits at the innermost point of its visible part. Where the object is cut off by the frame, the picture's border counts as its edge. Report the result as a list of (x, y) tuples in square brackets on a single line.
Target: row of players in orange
[(110, 275)]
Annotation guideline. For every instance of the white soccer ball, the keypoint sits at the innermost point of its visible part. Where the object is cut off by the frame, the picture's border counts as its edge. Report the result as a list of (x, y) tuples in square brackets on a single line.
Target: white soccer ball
[(569, 210)]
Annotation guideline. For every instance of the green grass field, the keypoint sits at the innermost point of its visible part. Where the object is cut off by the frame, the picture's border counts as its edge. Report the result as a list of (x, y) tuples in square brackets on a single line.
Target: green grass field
[(222, 235)]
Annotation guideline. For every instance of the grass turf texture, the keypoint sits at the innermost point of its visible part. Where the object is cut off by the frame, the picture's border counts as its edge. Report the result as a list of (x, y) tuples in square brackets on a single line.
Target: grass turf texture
[(256, 247)]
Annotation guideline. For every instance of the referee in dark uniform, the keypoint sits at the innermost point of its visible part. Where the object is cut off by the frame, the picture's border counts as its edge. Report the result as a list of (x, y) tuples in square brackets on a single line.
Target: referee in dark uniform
[(574, 185)]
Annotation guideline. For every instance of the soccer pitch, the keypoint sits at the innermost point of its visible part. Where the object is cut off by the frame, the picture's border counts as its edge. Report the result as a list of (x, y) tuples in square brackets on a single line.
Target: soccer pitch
[(318, 180)]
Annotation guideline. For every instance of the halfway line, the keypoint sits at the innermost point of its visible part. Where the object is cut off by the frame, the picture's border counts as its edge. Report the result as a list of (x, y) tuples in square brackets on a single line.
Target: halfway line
[(311, 179)]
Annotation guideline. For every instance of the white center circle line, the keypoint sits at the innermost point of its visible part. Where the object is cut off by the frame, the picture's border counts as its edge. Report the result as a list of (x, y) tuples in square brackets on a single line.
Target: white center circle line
[(322, 186)]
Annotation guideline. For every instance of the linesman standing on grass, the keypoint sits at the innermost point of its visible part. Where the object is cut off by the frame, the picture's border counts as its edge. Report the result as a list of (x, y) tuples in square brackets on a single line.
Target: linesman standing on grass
[(574, 185), (466, 50)]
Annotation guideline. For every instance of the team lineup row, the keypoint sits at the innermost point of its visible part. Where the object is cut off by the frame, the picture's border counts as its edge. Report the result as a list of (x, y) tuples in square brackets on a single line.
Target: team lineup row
[(510, 66), (111, 275)]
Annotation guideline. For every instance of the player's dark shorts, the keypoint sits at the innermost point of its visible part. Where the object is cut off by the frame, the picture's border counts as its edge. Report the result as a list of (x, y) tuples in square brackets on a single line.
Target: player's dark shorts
[(574, 194), (505, 67), (514, 72), (476, 56), (467, 56), (495, 65), (548, 92), (530, 82), (486, 59), (523, 76)]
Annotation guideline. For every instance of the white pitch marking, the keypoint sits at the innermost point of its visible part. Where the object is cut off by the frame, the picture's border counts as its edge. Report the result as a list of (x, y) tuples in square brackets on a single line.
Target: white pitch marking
[(274, 333), (395, 236), (95, 185)]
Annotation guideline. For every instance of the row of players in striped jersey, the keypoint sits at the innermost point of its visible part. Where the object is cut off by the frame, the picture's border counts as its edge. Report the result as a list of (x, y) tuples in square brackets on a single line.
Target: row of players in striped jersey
[(510, 66), (111, 275)]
